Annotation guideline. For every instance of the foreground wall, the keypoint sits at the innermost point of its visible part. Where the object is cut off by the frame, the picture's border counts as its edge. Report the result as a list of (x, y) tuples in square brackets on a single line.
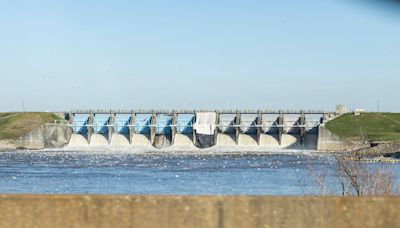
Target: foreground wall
[(196, 211)]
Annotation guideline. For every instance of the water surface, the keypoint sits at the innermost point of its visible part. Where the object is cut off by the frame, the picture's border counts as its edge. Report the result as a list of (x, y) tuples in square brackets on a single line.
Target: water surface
[(80, 172)]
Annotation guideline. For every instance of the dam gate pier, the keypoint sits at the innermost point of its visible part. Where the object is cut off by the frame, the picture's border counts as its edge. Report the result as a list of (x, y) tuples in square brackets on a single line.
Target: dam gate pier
[(196, 128)]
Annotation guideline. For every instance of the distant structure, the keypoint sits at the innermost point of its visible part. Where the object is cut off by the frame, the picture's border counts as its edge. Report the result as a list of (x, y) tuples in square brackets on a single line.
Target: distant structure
[(196, 128), (358, 111), (341, 109)]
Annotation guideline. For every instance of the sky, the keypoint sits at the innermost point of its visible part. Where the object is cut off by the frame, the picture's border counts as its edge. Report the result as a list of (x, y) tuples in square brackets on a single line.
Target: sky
[(287, 54)]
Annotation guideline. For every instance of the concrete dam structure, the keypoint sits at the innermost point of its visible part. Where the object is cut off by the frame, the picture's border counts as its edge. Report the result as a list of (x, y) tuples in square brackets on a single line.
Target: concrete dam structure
[(196, 129)]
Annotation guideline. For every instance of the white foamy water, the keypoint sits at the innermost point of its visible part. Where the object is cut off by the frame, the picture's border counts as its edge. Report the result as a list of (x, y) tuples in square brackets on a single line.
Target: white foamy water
[(290, 141), (99, 140), (182, 140), (141, 140), (247, 140), (184, 143), (78, 140), (225, 140), (269, 141), (119, 140)]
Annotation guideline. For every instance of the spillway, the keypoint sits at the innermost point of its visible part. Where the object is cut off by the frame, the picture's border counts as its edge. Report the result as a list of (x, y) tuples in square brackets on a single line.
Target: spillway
[(183, 140), (162, 141), (99, 140), (226, 140), (269, 140), (247, 140), (290, 141), (78, 140), (190, 129), (141, 140), (120, 140)]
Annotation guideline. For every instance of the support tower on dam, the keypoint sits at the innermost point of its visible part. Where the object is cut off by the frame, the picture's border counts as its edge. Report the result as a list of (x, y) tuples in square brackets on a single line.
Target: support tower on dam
[(196, 128)]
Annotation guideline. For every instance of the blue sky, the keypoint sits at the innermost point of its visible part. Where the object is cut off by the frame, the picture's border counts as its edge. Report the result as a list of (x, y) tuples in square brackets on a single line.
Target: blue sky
[(311, 54)]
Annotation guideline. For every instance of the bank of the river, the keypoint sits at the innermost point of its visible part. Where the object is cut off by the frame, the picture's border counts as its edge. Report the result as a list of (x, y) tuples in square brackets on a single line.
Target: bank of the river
[(15, 127), (371, 127), (378, 133)]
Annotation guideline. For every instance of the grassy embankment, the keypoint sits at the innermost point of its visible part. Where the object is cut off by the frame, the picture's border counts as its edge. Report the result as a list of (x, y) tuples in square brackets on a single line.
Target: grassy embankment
[(14, 125), (372, 127)]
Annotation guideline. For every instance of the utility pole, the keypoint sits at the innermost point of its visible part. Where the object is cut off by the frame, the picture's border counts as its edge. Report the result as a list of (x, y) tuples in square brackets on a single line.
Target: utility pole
[(377, 105)]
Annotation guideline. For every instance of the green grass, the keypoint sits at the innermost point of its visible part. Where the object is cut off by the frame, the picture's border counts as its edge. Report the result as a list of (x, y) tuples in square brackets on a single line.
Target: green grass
[(373, 127), (14, 125)]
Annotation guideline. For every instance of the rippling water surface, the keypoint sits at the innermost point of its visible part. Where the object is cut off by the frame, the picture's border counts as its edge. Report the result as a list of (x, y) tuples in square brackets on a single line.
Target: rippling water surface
[(80, 172)]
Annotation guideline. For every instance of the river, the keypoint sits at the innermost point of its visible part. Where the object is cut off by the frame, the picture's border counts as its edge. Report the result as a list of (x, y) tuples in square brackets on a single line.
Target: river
[(101, 172)]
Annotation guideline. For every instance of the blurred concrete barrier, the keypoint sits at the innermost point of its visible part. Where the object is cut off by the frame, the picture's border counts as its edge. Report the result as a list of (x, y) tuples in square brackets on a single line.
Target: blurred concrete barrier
[(196, 211)]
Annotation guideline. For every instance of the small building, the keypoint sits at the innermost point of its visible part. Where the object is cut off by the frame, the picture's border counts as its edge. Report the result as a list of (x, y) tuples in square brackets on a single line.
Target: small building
[(358, 111), (341, 109)]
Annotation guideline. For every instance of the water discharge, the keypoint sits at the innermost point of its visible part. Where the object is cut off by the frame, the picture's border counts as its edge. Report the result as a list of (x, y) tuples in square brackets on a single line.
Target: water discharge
[(290, 141), (247, 140), (266, 141), (141, 140), (225, 140), (120, 140), (78, 140), (99, 140), (269, 141), (183, 140)]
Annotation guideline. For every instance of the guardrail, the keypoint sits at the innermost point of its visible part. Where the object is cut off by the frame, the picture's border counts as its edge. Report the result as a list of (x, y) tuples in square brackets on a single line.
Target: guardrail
[(177, 125), (186, 111)]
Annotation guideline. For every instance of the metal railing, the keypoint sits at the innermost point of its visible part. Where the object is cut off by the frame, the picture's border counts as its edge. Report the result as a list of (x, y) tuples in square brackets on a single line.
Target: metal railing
[(296, 125), (187, 111)]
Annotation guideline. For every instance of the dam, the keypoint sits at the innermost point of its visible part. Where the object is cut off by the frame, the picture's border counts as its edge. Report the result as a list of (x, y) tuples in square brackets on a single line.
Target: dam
[(196, 129)]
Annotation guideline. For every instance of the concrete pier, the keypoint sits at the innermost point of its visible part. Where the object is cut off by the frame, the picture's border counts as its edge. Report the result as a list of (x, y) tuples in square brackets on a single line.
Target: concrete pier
[(237, 127), (280, 127), (259, 126), (302, 129), (131, 127)]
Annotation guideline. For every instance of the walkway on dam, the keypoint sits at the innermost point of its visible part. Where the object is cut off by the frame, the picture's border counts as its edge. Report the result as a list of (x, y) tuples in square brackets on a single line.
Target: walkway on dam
[(12, 115)]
